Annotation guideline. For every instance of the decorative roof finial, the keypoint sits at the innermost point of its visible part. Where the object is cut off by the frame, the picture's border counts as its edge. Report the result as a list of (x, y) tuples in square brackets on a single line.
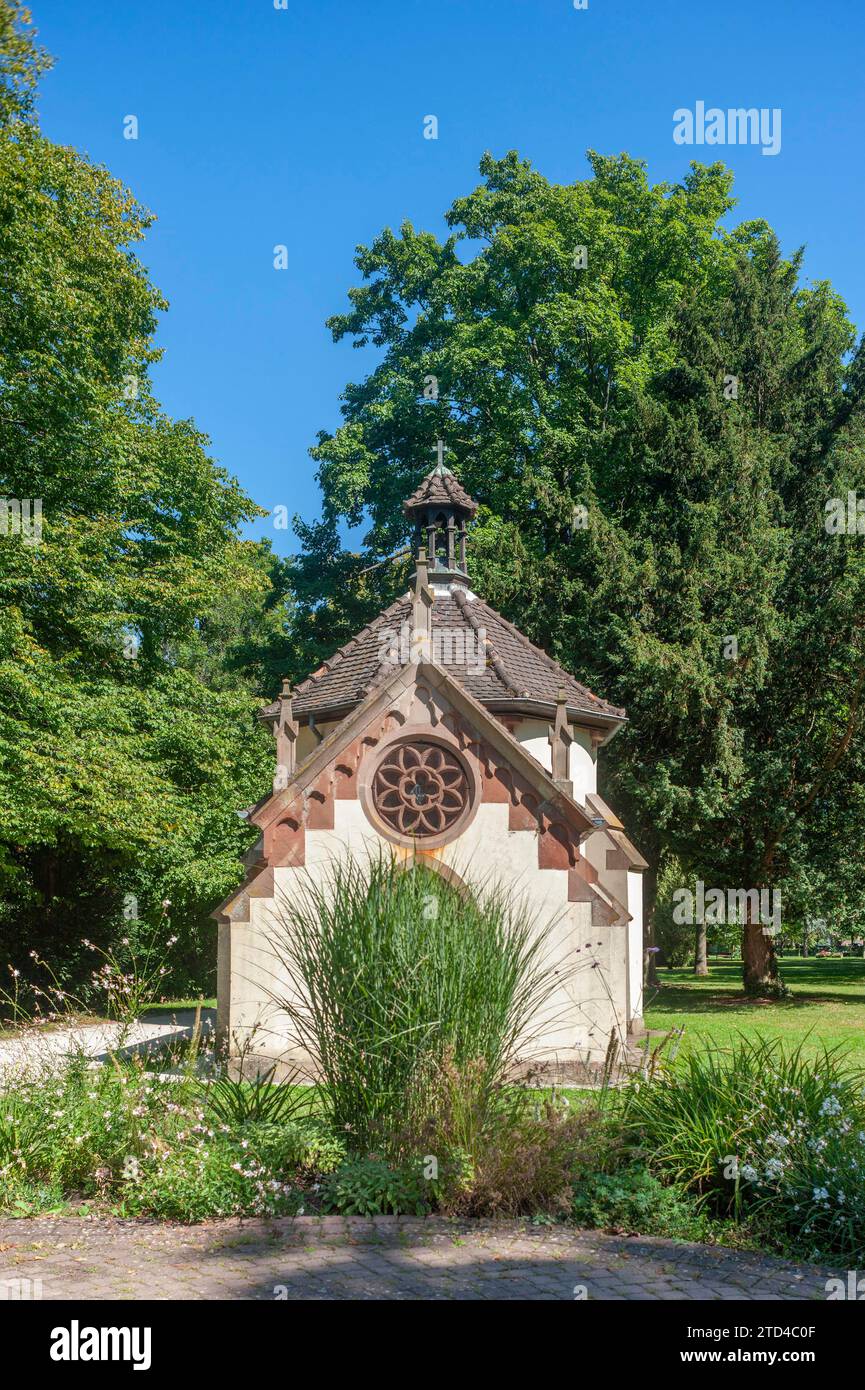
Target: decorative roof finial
[(422, 601), (285, 731), (561, 739), (421, 572)]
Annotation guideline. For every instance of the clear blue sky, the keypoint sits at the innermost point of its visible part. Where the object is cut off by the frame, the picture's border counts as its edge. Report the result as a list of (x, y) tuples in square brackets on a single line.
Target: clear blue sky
[(303, 126)]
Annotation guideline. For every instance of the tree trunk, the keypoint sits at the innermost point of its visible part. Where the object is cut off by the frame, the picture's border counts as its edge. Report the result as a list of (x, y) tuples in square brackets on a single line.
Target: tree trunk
[(701, 963), (805, 942), (759, 962)]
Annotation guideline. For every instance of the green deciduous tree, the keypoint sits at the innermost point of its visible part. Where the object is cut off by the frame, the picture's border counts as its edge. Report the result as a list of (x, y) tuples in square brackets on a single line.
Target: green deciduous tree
[(126, 731)]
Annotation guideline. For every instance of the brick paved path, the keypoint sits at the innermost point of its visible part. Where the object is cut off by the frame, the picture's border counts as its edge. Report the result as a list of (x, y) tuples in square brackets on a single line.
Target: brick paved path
[(387, 1258)]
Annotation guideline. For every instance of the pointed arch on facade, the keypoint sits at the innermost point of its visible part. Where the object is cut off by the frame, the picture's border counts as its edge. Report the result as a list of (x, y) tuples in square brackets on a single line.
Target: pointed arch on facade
[(418, 859)]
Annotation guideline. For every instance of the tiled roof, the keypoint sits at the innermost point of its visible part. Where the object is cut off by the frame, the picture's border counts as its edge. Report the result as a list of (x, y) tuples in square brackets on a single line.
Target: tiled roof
[(440, 488), (512, 669)]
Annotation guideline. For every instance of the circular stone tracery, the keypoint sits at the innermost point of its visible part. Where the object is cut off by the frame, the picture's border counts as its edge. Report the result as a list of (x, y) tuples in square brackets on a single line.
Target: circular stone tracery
[(420, 789)]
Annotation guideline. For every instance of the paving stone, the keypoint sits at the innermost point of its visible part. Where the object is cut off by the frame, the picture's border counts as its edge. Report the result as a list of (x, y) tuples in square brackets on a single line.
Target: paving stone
[(334, 1257)]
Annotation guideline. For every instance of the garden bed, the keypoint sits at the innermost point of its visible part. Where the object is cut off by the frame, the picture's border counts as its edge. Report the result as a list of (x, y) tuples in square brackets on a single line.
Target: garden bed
[(415, 1031), (650, 1157)]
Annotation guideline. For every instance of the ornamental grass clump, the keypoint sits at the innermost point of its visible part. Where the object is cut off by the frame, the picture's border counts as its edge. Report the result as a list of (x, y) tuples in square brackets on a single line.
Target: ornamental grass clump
[(394, 972), (761, 1134)]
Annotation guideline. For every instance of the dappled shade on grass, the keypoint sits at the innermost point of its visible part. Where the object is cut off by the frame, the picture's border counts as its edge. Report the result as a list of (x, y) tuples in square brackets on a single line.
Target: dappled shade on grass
[(827, 1005)]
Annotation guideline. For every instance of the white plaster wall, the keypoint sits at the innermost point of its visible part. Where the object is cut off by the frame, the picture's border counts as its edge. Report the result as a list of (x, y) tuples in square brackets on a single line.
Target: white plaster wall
[(534, 735), (583, 767), (487, 848), (627, 886), (635, 948), (576, 1021), (351, 834), (258, 981), (595, 848), (489, 852)]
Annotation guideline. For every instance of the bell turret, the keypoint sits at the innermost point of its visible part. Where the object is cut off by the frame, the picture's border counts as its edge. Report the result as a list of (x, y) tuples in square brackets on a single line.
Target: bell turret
[(441, 509)]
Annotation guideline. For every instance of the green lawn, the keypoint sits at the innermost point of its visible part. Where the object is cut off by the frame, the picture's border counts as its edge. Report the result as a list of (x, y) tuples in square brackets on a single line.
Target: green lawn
[(175, 1004), (828, 1005)]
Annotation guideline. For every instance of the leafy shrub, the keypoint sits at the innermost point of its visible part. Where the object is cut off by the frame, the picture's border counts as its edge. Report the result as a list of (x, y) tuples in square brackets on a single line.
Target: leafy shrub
[(316, 1149), (511, 1152), (811, 1181), (758, 1132), (530, 1162), (145, 1145), (302, 1148), (212, 1176), (79, 1124), (371, 1187), (25, 1143), (632, 1201), (21, 1197)]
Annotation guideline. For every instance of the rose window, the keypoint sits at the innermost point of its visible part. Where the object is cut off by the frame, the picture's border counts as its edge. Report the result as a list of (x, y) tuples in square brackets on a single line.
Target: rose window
[(420, 789)]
